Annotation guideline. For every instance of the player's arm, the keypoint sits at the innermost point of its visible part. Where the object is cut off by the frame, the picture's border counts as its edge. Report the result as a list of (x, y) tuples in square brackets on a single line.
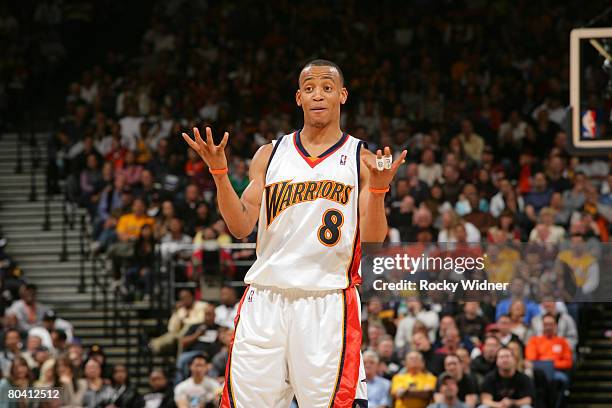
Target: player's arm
[(373, 220), (239, 213)]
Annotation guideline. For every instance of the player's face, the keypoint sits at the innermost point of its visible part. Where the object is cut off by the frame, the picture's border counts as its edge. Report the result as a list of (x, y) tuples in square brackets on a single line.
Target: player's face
[(320, 95)]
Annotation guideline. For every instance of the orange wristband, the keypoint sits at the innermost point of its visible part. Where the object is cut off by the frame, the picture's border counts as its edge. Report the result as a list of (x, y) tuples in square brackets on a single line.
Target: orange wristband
[(218, 171), (378, 190)]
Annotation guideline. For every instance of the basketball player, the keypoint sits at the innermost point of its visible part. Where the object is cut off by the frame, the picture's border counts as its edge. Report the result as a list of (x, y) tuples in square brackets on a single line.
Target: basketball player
[(317, 193)]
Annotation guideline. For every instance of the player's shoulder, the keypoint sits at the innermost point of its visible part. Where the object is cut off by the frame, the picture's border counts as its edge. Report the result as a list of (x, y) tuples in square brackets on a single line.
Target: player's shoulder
[(264, 152), (263, 155), (365, 155), (365, 152), (267, 150)]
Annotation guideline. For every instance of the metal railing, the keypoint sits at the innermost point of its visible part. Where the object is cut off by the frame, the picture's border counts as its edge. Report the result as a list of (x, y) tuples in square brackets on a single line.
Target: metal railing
[(34, 165), (64, 253), (119, 314), (84, 253), (19, 141), (99, 285), (211, 268)]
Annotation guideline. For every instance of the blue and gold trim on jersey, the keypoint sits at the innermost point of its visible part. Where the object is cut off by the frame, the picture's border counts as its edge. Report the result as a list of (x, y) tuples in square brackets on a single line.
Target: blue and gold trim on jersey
[(311, 160)]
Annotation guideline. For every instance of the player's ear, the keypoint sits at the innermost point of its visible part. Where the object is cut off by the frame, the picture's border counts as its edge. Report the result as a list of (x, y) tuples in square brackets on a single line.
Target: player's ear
[(298, 98), (343, 95)]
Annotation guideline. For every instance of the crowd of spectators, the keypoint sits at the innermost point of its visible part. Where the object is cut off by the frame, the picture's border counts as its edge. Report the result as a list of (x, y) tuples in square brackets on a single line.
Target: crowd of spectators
[(38, 349), (463, 354), (477, 95), (28, 33)]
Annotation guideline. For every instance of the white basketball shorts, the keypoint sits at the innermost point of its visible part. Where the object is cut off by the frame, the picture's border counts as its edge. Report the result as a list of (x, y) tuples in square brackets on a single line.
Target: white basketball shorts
[(293, 342)]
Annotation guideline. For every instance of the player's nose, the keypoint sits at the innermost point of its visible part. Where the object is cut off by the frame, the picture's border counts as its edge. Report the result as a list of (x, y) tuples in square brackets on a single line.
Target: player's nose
[(318, 94)]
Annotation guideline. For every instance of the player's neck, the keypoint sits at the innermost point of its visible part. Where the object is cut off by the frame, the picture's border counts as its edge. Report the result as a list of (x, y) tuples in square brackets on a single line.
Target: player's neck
[(320, 136)]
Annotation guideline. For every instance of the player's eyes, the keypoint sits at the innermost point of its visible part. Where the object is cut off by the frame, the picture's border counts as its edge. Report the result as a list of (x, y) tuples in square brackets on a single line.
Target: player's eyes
[(328, 88)]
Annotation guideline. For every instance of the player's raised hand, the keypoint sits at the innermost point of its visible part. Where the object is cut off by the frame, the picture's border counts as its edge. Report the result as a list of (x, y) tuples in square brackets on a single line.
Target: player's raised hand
[(213, 155), (381, 178)]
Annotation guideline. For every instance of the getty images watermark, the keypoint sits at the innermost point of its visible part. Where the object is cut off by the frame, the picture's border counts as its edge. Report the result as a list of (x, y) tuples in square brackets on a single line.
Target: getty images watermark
[(569, 271), (411, 265)]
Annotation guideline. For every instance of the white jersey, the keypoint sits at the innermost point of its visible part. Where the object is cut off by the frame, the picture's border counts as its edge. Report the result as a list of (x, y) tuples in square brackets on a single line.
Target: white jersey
[(308, 231)]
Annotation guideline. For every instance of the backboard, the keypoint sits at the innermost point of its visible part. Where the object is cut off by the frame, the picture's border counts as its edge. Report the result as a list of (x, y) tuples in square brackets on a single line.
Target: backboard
[(590, 114)]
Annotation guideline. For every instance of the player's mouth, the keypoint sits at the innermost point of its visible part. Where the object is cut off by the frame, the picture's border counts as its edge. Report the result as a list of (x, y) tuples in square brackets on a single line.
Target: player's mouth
[(318, 109)]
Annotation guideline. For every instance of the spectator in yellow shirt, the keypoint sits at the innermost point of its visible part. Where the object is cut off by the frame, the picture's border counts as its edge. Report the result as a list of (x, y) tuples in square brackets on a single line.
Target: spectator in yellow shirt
[(473, 144), (129, 225), (413, 388), (128, 231), (187, 312), (583, 266)]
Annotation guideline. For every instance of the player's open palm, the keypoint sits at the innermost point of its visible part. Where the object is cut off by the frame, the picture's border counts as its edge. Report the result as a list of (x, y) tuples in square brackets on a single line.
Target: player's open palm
[(382, 174), (213, 155)]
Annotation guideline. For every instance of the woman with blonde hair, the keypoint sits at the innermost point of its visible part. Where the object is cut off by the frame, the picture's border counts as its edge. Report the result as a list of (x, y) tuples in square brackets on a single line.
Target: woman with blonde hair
[(45, 380), (450, 221), (64, 377), (546, 232), (517, 319)]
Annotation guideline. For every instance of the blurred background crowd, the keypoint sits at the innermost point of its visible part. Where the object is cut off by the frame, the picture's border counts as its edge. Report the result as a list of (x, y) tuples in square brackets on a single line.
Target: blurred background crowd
[(476, 93)]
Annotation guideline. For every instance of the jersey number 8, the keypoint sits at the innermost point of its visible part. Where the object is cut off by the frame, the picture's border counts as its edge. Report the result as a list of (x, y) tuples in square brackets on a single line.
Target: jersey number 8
[(329, 232)]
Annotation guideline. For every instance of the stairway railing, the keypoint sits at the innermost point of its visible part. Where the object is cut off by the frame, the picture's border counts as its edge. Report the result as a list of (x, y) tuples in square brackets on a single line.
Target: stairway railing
[(64, 253), (19, 142), (210, 270), (100, 285), (84, 254), (144, 356), (119, 314), (47, 217), (34, 165)]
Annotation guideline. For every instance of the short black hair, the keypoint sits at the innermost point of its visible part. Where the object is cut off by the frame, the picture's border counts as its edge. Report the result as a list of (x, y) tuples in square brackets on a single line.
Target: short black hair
[(325, 63), (11, 330), (61, 334), (198, 356), (502, 348), (31, 286), (228, 285), (188, 289)]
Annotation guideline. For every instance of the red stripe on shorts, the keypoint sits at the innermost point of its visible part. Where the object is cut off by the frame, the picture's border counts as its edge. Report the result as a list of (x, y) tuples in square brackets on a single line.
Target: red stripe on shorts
[(348, 377), (355, 277), (227, 398)]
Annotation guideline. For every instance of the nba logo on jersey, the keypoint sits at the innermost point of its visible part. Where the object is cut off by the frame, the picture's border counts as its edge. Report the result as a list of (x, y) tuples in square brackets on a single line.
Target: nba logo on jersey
[(589, 124), (250, 297), (343, 159)]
